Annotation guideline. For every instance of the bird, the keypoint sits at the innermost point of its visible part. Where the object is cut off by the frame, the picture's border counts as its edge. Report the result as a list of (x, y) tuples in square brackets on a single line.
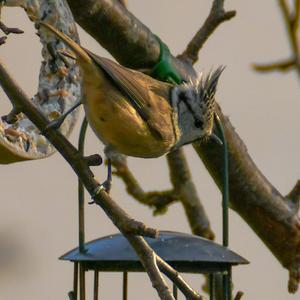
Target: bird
[(137, 115)]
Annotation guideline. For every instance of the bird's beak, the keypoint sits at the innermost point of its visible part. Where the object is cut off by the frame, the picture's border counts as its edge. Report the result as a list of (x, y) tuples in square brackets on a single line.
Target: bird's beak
[(216, 139)]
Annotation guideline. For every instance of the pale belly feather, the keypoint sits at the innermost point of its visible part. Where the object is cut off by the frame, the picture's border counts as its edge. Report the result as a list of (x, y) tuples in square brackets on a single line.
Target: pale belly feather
[(117, 124)]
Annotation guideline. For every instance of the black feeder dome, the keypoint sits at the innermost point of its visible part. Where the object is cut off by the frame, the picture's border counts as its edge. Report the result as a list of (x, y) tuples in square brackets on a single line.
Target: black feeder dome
[(185, 252)]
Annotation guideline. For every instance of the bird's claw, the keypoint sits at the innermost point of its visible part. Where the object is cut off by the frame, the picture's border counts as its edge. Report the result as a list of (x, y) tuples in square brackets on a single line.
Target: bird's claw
[(104, 187), (107, 185)]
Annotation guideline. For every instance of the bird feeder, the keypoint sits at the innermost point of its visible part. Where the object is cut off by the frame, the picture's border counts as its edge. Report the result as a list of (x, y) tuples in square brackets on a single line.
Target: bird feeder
[(184, 252)]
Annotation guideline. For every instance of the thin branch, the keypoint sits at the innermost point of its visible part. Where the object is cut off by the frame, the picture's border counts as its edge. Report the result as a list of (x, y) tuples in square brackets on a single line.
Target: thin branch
[(129, 227), (239, 295), (292, 22), (175, 277), (8, 30), (216, 16), (183, 185), (282, 66), (158, 200), (291, 19)]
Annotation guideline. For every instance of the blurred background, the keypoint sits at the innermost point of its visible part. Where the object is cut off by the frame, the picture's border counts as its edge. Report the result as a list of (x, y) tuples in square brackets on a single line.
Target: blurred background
[(38, 215)]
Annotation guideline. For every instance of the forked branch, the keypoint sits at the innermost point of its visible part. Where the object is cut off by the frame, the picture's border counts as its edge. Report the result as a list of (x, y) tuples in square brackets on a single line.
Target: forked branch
[(216, 16), (291, 20)]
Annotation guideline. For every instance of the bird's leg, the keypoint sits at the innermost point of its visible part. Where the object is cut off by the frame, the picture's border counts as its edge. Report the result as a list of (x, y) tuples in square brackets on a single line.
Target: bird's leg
[(55, 124), (107, 183)]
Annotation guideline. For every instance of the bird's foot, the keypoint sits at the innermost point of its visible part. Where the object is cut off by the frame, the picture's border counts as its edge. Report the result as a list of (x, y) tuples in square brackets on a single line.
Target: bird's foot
[(106, 185)]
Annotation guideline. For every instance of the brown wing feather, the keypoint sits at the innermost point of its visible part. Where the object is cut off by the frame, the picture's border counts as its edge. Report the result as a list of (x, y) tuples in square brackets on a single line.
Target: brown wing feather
[(136, 86)]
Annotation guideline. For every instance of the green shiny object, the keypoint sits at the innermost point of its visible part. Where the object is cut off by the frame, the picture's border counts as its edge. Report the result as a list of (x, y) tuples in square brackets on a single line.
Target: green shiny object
[(164, 70)]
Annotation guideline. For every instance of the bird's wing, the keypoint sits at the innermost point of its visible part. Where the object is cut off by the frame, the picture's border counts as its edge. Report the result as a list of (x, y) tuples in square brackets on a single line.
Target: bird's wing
[(136, 87)]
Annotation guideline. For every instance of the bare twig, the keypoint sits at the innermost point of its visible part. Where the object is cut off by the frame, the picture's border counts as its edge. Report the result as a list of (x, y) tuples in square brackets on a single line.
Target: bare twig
[(183, 185), (175, 276), (216, 16), (158, 200), (291, 19), (8, 30), (292, 23), (239, 295), (282, 66), (129, 227)]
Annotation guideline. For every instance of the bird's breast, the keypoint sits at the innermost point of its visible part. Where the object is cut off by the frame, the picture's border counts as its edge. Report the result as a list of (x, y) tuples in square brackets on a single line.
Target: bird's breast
[(118, 124)]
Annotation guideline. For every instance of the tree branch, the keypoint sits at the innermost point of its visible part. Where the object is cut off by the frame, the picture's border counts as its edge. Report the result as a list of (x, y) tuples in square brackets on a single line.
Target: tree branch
[(291, 19), (216, 16), (133, 44), (158, 200), (185, 188), (282, 66), (255, 199)]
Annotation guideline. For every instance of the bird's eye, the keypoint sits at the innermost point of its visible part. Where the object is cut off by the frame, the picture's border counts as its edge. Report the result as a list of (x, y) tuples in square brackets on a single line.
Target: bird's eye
[(198, 123), (182, 96)]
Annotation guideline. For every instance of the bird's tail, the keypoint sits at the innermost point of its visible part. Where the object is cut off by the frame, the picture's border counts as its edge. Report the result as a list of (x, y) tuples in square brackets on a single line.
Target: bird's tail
[(76, 48)]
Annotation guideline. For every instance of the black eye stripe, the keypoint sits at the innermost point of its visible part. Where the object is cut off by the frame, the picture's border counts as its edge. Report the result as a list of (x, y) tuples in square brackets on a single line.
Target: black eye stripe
[(182, 97), (198, 123)]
